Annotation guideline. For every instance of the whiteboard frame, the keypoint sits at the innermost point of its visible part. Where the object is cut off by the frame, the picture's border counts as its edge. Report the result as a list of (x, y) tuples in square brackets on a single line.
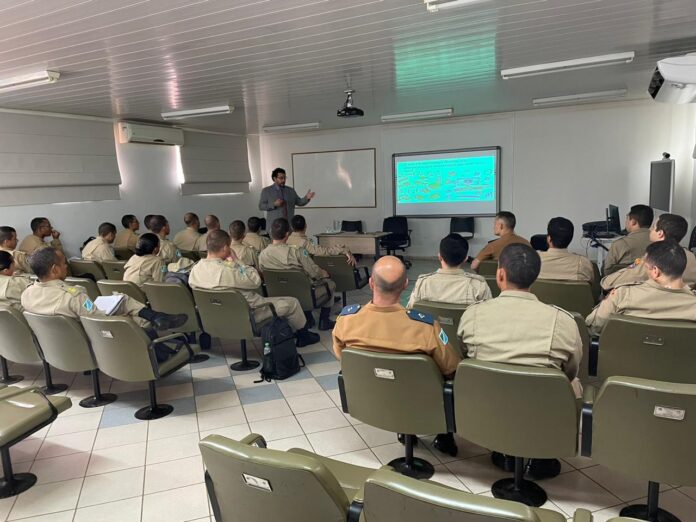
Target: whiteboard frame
[(374, 172), (499, 153)]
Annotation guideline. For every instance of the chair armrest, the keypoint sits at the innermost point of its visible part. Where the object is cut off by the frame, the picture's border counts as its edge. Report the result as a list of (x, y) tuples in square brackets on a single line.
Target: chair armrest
[(448, 394), (582, 515), (586, 413), (593, 358), (355, 510), (313, 291), (357, 275), (254, 439), (342, 393), (170, 337)]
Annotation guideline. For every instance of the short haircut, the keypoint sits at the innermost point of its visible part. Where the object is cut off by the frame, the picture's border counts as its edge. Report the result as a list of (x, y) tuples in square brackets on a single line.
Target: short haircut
[(389, 287), (454, 249), (106, 228), (42, 260), (157, 223), (561, 231), (668, 256), (147, 219), (298, 223), (254, 224), (127, 220), (36, 223), (146, 245), (280, 229), (673, 226), (277, 171), (217, 240), (6, 260), (521, 264), (6, 234), (212, 221), (508, 219), (237, 230), (643, 215), (190, 218)]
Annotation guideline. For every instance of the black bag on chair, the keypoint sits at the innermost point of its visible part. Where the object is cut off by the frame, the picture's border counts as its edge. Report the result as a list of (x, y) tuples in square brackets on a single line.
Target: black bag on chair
[(281, 360)]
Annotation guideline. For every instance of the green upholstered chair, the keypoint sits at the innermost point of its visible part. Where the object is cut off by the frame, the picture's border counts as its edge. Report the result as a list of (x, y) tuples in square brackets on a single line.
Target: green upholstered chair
[(645, 430), (573, 296), (23, 412), (123, 351), (345, 276), (86, 268), (19, 345), (488, 267), (226, 314), (88, 284), (448, 315), (108, 287), (402, 393), (114, 269), (583, 370), (493, 285), (248, 482), (193, 255), (295, 283), (391, 496), (65, 346), (175, 298), (520, 411), (123, 254)]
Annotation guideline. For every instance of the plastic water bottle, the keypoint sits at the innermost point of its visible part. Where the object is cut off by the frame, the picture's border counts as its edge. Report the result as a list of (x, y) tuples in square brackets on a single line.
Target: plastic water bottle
[(266, 349)]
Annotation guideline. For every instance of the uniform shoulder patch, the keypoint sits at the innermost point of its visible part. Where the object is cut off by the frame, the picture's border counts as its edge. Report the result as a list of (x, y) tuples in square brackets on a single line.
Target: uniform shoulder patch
[(417, 315), (305, 252), (350, 309), (443, 336), (88, 305), (74, 290)]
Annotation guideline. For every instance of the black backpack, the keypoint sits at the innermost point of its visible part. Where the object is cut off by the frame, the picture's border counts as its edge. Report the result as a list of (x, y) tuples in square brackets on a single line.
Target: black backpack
[(282, 361)]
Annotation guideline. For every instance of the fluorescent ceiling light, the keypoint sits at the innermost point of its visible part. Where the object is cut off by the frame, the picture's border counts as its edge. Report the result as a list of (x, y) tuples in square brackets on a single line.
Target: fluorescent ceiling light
[(423, 115), (24, 81), (291, 127), (434, 6), (197, 113), (568, 65), (585, 97)]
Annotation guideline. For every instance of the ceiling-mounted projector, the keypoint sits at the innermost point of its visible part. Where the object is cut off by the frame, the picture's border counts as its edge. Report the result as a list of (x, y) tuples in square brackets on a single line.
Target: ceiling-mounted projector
[(674, 80), (348, 111)]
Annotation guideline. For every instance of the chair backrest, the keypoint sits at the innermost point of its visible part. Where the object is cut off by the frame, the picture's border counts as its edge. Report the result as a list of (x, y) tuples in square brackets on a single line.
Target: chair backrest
[(173, 298), (108, 287), (18, 344), (646, 429), (351, 226), (388, 493), (300, 487), (114, 269), (493, 285), (448, 315), (124, 254), (293, 283), (539, 243), (595, 283), (396, 392), (584, 369), (397, 225), (517, 410), (488, 267), (573, 296), (190, 254), (121, 348), (344, 275), (87, 284), (63, 342), (462, 224), (224, 313), (648, 348), (262, 223), (86, 268)]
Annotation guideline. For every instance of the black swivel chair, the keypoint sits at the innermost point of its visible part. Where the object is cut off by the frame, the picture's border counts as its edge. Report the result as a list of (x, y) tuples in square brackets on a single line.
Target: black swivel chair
[(464, 226), (692, 240), (262, 228), (539, 243), (352, 226), (399, 237)]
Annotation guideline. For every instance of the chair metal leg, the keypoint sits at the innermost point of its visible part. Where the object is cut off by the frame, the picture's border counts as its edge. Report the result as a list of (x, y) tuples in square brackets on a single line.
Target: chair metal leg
[(205, 341), (99, 398), (650, 511), (154, 410), (50, 388), (518, 489), (412, 466), (345, 300), (6, 377), (245, 364), (13, 484)]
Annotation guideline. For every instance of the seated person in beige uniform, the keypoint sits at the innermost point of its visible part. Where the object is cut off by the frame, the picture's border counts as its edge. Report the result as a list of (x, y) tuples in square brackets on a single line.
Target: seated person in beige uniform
[(504, 228), (100, 248), (298, 238), (146, 221), (167, 250), (627, 249), (211, 223), (557, 263), (146, 265), (245, 253), (451, 284), (8, 243), (516, 328), (40, 228), (252, 237), (281, 256), (128, 238), (187, 239), (221, 270), (52, 296), (11, 286), (384, 325), (667, 227), (663, 296)]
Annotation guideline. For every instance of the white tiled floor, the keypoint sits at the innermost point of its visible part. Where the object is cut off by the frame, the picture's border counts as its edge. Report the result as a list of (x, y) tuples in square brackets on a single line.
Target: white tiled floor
[(104, 465)]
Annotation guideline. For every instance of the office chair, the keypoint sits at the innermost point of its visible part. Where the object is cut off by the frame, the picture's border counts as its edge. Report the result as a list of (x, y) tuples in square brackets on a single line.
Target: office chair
[(464, 226), (692, 240), (538, 242), (352, 226), (399, 237)]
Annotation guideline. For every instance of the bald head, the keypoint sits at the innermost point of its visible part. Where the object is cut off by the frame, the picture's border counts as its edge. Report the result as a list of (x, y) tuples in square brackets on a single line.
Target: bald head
[(388, 277), (212, 222)]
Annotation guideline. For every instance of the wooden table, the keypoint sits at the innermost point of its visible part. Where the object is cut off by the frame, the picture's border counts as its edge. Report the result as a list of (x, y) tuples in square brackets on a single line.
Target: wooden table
[(366, 244)]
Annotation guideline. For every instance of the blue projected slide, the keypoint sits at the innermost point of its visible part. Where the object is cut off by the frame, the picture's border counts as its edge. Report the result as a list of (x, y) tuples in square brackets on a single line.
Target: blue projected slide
[(446, 183)]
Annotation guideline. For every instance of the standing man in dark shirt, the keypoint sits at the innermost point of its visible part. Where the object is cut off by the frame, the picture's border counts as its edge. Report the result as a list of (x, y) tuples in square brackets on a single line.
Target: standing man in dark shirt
[(279, 200)]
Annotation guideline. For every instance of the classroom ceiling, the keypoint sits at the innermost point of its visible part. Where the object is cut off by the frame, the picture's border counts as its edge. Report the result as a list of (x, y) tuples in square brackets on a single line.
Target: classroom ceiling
[(288, 61)]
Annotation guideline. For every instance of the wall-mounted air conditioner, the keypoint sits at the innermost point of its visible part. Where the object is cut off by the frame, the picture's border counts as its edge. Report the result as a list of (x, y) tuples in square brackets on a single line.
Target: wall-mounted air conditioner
[(150, 134)]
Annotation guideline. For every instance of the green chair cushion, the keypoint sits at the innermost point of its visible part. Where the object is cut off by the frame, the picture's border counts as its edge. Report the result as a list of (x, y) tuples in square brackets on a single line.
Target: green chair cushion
[(23, 412)]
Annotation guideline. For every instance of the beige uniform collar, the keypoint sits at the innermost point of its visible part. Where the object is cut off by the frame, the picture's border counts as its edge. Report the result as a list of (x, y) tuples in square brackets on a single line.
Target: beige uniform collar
[(639, 231), (393, 308), (655, 284), (299, 234), (235, 242), (558, 250), (519, 294), (53, 282), (453, 271)]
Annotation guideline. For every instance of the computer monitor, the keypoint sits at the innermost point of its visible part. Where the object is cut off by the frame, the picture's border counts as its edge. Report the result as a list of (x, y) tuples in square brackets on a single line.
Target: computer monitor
[(613, 219)]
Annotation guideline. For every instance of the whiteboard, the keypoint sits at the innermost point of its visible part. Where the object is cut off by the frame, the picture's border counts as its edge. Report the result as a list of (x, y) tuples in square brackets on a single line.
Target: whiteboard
[(343, 178)]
